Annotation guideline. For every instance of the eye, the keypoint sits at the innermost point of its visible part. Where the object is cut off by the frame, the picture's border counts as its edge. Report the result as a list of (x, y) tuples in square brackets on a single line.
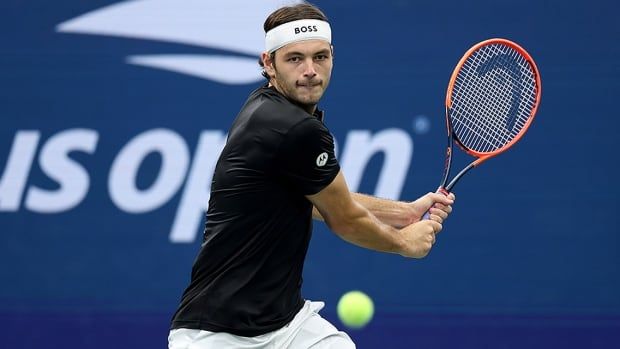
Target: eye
[(294, 59), (321, 57)]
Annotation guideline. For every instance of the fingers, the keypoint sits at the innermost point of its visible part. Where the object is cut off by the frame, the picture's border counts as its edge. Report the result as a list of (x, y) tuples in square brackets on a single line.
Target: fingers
[(435, 226), (431, 237), (440, 201), (441, 198), (440, 213), (442, 206), (421, 237)]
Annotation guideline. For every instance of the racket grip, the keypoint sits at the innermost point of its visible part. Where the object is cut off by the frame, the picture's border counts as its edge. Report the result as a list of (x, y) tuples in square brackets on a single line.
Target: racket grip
[(441, 190)]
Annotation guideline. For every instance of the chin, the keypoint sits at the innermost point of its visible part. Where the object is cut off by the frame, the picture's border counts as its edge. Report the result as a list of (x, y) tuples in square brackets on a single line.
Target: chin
[(306, 100), (314, 99), (310, 102)]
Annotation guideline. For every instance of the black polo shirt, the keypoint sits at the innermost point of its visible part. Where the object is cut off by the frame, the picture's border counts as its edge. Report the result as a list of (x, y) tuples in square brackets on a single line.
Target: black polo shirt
[(246, 279)]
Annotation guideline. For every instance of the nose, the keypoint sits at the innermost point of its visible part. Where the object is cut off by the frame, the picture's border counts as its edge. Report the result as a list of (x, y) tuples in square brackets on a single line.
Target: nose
[(309, 69)]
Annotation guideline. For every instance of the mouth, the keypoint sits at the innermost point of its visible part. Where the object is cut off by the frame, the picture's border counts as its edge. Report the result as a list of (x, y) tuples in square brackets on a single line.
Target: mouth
[(309, 85)]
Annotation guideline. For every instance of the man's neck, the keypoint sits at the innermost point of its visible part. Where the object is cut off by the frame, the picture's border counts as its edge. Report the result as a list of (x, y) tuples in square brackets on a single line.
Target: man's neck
[(309, 108)]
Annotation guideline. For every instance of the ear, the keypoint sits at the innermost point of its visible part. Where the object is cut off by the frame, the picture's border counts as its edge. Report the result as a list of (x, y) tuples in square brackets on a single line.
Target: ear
[(268, 64)]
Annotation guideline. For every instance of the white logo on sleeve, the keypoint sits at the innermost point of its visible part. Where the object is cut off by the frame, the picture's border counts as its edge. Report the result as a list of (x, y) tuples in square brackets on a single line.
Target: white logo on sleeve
[(321, 160)]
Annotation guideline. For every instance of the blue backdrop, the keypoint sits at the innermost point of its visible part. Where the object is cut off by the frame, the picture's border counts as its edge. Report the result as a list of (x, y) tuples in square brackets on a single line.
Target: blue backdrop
[(113, 114)]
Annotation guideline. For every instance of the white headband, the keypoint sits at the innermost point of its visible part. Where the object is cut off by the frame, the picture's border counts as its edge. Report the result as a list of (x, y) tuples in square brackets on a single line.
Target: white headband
[(303, 29)]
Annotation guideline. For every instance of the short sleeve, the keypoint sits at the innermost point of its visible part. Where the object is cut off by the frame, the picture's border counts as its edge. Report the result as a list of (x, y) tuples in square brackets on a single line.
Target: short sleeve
[(306, 158)]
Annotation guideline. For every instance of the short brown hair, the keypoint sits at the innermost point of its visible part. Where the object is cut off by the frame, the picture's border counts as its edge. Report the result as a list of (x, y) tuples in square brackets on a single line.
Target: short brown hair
[(288, 14)]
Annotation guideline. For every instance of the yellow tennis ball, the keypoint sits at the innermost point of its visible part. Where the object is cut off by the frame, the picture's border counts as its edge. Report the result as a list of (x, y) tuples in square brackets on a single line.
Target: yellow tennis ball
[(355, 309)]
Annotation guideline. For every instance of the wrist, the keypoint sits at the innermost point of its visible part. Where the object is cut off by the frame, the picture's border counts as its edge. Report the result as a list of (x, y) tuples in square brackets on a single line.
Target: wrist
[(409, 213)]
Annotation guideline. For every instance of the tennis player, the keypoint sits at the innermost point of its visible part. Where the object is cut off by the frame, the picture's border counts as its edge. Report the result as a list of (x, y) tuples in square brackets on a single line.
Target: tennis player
[(277, 171)]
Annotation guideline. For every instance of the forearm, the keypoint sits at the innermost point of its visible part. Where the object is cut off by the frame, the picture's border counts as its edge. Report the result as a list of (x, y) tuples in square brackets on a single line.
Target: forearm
[(347, 216), (354, 223), (366, 230), (390, 212)]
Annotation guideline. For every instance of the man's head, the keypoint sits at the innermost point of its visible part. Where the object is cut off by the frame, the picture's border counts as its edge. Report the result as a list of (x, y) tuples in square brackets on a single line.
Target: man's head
[(298, 53)]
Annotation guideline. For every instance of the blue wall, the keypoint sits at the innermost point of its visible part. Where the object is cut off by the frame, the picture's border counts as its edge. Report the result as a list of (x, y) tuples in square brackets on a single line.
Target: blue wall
[(106, 153)]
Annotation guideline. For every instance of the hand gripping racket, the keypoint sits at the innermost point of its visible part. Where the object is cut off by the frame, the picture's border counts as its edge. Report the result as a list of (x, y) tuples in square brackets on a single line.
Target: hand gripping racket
[(492, 98)]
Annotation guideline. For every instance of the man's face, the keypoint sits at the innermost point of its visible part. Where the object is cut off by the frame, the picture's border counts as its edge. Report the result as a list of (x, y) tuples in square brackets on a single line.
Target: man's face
[(302, 70)]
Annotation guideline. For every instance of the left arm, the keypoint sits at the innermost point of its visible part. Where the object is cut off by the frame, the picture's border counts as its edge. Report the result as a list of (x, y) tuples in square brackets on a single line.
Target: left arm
[(399, 214)]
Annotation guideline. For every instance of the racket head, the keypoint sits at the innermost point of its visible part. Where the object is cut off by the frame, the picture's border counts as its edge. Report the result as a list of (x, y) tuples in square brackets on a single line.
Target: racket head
[(492, 98)]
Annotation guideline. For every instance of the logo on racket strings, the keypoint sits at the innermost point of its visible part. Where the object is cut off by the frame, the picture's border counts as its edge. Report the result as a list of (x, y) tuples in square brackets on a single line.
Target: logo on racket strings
[(507, 71)]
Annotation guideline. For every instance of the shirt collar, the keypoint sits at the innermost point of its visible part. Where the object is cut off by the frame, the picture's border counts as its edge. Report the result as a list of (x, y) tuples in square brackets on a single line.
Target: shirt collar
[(319, 114)]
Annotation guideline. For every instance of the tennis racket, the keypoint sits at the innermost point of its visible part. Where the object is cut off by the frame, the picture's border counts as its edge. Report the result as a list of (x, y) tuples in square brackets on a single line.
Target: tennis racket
[(492, 98)]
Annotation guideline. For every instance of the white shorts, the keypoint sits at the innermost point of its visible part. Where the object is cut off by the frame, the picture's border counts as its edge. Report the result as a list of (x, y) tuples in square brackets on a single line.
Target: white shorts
[(307, 330)]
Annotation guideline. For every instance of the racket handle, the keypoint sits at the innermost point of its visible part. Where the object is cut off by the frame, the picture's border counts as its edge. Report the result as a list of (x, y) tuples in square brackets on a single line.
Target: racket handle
[(442, 190)]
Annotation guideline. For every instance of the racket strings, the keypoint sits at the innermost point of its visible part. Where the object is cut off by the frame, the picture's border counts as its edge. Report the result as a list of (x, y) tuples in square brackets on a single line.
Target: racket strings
[(488, 131), (493, 96)]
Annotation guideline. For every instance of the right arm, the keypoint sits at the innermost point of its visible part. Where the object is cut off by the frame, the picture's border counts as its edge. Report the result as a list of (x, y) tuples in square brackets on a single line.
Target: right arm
[(400, 214), (308, 164), (355, 224)]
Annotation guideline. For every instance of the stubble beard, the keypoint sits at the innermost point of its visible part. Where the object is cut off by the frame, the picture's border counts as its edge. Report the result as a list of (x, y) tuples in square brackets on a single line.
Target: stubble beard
[(291, 91)]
